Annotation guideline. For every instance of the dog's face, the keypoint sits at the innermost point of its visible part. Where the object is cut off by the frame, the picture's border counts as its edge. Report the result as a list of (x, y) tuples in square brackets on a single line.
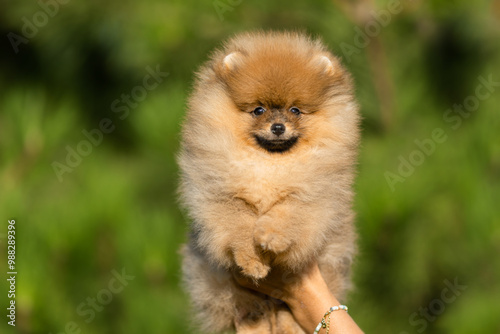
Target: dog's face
[(280, 97), (276, 128)]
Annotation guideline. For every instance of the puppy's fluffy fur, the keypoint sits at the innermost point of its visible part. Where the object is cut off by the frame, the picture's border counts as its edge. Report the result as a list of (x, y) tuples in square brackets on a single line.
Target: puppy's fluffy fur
[(261, 196)]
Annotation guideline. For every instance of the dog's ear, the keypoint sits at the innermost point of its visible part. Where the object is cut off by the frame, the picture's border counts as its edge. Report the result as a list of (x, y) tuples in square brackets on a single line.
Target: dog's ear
[(232, 61), (227, 65), (324, 63)]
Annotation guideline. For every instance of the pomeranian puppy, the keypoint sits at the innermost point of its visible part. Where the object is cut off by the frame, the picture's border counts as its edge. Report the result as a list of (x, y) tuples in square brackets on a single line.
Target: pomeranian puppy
[(267, 160)]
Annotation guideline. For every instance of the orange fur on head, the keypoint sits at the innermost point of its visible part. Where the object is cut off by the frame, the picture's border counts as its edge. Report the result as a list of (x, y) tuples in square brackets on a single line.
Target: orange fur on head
[(267, 162)]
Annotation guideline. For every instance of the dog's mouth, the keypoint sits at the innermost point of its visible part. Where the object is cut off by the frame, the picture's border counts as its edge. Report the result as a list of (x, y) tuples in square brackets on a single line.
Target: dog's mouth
[(276, 145)]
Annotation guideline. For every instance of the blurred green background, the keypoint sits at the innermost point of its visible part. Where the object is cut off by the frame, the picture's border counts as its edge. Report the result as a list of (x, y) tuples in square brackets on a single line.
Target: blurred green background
[(428, 216)]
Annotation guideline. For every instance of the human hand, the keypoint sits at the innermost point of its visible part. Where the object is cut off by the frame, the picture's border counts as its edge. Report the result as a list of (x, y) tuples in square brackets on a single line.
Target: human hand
[(306, 294)]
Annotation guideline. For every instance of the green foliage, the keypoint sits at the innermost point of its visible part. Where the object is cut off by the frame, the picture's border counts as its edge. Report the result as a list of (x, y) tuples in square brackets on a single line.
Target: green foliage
[(118, 209)]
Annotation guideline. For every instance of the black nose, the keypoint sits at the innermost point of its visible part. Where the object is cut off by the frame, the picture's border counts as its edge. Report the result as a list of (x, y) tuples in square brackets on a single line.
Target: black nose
[(278, 129)]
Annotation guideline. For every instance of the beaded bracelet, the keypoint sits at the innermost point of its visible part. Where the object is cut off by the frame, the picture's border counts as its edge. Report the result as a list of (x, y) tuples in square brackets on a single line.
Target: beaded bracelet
[(325, 323)]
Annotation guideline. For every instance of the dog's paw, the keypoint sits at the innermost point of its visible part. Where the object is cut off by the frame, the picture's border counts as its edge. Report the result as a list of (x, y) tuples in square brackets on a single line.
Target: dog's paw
[(270, 240), (252, 267)]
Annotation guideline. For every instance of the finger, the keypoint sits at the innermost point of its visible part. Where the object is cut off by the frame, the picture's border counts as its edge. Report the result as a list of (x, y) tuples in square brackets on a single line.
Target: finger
[(243, 280)]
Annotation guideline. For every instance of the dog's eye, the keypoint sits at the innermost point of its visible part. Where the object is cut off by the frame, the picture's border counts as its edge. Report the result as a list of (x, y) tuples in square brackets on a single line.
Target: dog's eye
[(258, 111), (294, 110)]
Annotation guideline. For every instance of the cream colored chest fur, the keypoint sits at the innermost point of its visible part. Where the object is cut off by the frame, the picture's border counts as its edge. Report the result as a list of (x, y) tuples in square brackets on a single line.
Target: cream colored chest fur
[(264, 182)]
